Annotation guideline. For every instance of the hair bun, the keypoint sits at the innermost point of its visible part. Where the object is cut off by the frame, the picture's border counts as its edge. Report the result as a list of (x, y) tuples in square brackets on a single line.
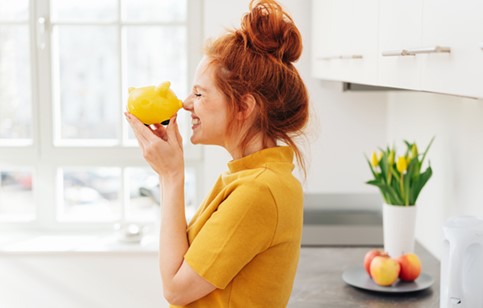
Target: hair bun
[(267, 28)]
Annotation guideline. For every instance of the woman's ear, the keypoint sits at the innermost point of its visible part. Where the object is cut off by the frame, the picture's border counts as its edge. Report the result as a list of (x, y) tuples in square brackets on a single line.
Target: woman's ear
[(248, 106)]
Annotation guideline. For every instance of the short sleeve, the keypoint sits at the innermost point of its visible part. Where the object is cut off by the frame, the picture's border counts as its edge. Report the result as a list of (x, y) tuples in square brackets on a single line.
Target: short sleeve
[(243, 226)]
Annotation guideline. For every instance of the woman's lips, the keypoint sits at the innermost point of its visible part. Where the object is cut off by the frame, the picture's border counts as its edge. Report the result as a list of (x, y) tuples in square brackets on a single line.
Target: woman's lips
[(195, 120)]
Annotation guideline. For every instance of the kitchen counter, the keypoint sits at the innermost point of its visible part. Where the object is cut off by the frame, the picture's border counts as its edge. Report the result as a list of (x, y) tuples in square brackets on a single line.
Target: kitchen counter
[(319, 283)]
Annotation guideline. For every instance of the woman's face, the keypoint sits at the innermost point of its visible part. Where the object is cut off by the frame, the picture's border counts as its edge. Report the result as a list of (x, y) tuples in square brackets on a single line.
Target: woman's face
[(208, 107)]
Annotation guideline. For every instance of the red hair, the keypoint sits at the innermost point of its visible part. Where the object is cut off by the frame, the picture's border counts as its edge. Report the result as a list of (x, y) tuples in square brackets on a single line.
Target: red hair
[(257, 60)]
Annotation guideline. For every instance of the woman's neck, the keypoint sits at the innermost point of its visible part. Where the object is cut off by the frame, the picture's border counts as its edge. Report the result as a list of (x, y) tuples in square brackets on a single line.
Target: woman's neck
[(256, 143)]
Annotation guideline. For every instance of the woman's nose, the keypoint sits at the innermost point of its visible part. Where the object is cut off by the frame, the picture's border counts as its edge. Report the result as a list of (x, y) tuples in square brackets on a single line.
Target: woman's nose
[(188, 104)]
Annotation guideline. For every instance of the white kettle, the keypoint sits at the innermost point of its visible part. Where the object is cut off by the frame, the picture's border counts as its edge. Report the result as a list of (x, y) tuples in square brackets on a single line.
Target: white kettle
[(462, 263)]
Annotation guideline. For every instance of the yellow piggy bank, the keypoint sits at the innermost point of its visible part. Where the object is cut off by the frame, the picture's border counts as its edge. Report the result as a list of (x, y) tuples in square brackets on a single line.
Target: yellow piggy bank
[(153, 104)]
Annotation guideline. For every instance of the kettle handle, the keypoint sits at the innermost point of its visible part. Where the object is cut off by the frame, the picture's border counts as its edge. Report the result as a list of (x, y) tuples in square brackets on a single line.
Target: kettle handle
[(455, 271)]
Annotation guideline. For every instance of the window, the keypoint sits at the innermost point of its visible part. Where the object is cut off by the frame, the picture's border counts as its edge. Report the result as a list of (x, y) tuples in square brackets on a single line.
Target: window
[(67, 156), (16, 198), (15, 74)]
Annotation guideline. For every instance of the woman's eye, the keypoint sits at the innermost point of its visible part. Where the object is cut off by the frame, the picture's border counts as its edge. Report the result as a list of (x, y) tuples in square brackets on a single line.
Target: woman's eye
[(197, 94)]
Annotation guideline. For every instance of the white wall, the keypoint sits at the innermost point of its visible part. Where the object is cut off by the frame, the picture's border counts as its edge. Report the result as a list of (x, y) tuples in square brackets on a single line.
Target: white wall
[(456, 156), (343, 126)]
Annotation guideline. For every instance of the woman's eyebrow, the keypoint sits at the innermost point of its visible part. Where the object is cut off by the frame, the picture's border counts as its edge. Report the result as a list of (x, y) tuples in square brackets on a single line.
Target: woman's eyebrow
[(198, 87)]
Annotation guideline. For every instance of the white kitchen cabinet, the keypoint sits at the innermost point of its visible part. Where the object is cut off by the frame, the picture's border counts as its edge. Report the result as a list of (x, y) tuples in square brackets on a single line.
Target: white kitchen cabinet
[(400, 28), (345, 40), (458, 25), (429, 45)]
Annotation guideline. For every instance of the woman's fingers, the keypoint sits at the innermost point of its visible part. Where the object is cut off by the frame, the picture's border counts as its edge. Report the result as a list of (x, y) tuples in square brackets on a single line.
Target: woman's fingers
[(160, 131), (141, 132), (173, 131), (147, 135), (178, 134)]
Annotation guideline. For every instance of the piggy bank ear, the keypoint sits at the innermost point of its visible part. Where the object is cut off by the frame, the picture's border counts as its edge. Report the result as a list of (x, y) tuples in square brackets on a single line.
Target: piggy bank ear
[(163, 88)]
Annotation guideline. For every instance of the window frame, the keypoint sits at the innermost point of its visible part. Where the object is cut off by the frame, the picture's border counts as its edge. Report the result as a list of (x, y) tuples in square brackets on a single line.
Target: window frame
[(45, 158)]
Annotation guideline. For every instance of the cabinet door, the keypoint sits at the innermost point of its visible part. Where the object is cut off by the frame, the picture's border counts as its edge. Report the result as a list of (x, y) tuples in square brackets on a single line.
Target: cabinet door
[(344, 40), (329, 37), (400, 29), (363, 42), (459, 26)]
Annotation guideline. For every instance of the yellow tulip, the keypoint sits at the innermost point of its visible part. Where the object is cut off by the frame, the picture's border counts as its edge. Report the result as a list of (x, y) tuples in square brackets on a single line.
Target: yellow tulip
[(390, 159), (402, 164), (414, 151), (374, 160)]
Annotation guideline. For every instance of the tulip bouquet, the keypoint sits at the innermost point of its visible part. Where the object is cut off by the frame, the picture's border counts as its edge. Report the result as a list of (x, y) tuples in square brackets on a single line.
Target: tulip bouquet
[(400, 180)]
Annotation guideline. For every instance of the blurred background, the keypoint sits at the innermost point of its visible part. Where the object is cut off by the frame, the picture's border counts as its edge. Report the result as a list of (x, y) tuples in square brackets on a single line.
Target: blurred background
[(71, 171)]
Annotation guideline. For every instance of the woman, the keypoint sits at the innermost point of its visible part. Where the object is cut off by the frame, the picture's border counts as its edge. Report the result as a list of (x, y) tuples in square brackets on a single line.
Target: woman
[(241, 248)]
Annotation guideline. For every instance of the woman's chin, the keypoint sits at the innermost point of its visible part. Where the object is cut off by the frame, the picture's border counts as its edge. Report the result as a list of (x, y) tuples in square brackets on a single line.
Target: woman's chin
[(194, 140)]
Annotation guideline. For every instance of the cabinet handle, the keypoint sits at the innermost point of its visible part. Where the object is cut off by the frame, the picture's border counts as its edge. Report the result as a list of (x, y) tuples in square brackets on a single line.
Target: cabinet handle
[(434, 49), (413, 52), (341, 57), (397, 53)]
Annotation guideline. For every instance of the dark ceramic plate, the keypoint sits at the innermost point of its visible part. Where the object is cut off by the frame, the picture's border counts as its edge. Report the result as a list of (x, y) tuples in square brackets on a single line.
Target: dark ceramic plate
[(357, 277)]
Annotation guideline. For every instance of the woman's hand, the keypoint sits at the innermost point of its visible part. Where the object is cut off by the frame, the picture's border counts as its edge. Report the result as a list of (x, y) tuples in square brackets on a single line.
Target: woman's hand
[(162, 147)]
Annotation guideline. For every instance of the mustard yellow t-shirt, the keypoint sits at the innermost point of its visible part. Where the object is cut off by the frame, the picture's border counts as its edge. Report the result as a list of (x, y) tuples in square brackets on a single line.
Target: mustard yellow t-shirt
[(245, 237)]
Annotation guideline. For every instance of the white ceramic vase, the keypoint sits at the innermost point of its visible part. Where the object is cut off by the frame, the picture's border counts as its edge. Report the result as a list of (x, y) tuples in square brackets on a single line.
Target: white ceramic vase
[(399, 224)]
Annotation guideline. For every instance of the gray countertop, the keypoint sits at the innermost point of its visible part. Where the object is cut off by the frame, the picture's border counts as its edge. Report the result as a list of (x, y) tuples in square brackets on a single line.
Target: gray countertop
[(319, 283)]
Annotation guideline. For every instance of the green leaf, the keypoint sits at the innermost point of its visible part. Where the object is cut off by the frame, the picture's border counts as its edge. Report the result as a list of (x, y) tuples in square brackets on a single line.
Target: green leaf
[(427, 148), (392, 196), (408, 180), (408, 148), (420, 182), (383, 165), (385, 193)]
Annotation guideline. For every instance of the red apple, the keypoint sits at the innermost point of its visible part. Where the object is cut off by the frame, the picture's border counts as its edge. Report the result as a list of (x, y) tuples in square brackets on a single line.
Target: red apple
[(384, 270), (410, 267), (371, 254)]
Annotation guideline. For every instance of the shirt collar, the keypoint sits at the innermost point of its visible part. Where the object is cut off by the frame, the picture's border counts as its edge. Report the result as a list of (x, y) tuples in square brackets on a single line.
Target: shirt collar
[(280, 154)]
